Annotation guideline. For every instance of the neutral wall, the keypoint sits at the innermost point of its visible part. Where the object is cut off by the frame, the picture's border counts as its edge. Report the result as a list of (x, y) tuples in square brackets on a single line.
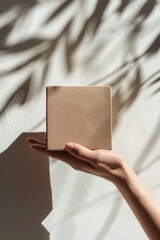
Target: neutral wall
[(78, 42)]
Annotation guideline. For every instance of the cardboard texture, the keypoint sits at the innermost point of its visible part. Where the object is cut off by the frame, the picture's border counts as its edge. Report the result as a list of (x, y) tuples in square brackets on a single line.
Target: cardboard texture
[(78, 114)]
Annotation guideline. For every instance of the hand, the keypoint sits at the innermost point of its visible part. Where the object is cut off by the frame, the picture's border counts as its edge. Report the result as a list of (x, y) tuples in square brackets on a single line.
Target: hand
[(103, 163), (109, 165)]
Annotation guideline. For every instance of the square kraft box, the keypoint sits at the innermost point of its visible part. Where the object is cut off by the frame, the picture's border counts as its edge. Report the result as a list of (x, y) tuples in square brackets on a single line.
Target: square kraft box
[(80, 114)]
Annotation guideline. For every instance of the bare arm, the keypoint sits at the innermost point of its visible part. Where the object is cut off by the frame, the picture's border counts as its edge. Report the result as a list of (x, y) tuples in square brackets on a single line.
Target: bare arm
[(143, 203), (114, 168)]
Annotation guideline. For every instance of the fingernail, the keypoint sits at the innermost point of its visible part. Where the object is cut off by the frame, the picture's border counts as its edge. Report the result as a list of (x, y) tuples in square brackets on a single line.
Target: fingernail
[(69, 146), (27, 140), (32, 147)]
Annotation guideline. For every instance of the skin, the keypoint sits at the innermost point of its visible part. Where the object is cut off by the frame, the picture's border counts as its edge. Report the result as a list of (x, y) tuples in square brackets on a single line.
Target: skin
[(112, 167)]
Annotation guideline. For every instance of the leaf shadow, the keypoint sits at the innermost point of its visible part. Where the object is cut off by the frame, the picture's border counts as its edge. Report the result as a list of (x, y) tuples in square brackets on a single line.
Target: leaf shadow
[(23, 45), (149, 145), (8, 4), (97, 15), (22, 91), (124, 4), (70, 47), (58, 11), (146, 10), (4, 32)]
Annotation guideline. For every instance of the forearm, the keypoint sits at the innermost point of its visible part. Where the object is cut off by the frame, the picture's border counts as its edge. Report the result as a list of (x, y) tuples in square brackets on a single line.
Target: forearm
[(144, 205)]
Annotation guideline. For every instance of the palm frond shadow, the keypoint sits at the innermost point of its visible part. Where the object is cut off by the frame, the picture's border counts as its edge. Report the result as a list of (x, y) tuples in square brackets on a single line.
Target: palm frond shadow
[(47, 53), (97, 15), (4, 32), (152, 76), (146, 10), (120, 73), (71, 47), (5, 6), (58, 11), (44, 54), (95, 19), (122, 6), (151, 50), (8, 4), (119, 102), (23, 45), (26, 63), (152, 81), (157, 83), (154, 47), (147, 148), (22, 91)]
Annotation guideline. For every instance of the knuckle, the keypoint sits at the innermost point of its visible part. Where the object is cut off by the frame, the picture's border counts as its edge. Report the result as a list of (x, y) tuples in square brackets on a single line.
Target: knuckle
[(79, 152)]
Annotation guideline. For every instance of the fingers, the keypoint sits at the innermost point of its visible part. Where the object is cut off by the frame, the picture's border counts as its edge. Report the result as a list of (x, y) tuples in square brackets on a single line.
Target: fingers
[(32, 140), (64, 156), (97, 158), (55, 154), (81, 152), (61, 155), (77, 156), (74, 149), (39, 147)]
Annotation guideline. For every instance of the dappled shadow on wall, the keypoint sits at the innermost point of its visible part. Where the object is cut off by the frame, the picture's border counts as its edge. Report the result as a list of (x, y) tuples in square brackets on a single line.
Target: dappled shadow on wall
[(8, 4), (41, 49), (25, 195), (25, 190)]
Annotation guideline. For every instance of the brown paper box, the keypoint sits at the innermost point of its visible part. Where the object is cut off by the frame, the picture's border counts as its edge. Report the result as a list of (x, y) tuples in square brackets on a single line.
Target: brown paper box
[(78, 114)]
